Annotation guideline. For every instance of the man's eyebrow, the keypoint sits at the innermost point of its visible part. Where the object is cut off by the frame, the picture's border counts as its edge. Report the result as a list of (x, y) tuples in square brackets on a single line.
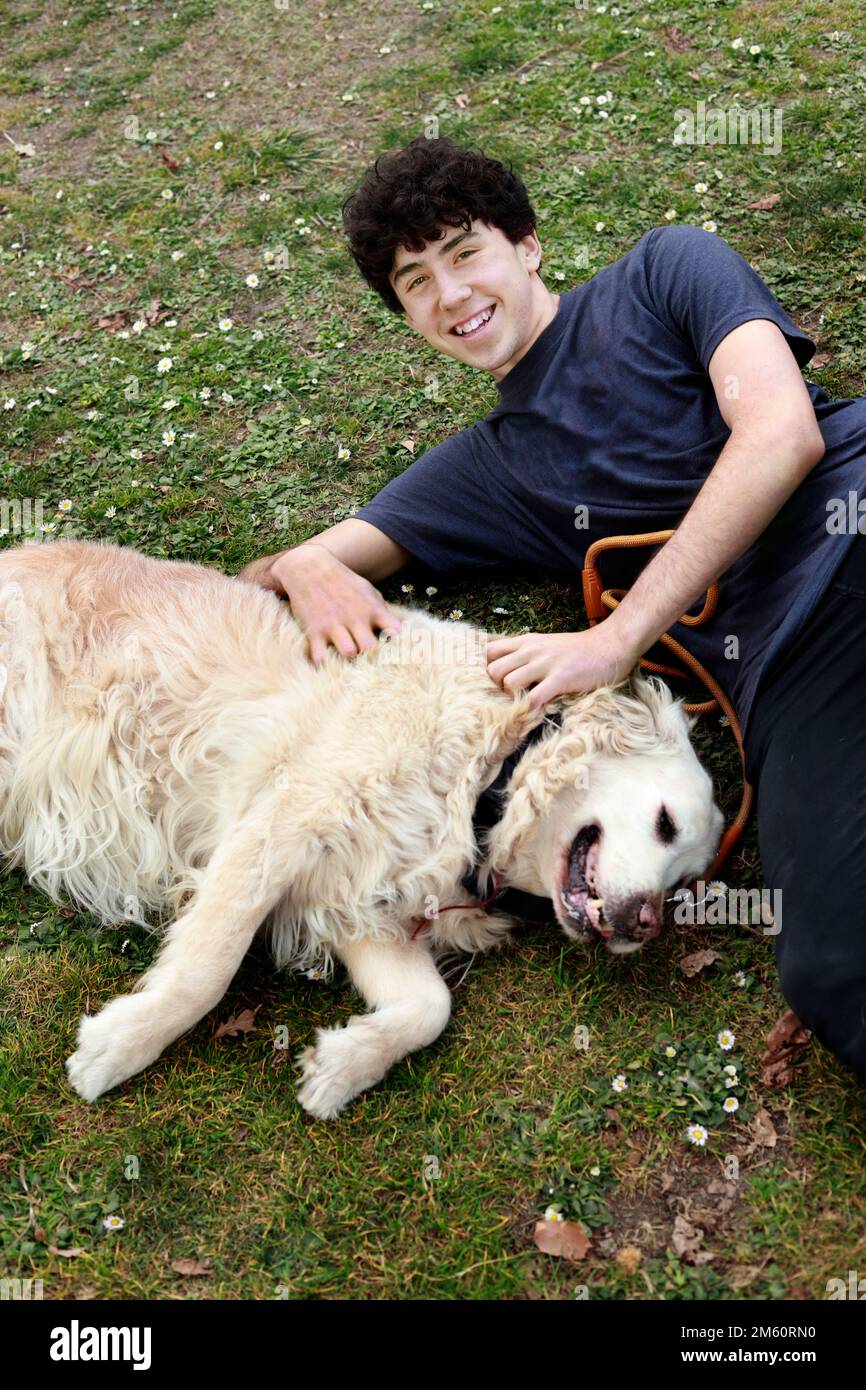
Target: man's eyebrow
[(443, 250)]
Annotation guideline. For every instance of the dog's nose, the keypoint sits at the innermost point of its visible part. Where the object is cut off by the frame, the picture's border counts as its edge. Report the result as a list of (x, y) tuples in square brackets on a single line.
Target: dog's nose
[(639, 919)]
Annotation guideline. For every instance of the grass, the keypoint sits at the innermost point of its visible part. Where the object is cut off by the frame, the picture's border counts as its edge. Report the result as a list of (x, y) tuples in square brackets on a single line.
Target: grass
[(429, 1186)]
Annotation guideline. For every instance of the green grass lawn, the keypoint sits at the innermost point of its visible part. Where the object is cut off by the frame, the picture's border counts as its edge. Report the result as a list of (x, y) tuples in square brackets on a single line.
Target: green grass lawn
[(179, 149)]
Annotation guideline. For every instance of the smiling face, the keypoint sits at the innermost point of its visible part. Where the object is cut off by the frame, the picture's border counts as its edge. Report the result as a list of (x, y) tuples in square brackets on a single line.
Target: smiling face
[(477, 274)]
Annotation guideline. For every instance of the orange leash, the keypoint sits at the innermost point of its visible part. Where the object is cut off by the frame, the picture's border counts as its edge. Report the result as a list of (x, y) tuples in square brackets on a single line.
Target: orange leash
[(599, 602)]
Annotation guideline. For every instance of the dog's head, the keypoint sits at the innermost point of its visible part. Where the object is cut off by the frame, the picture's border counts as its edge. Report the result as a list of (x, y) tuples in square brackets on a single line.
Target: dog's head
[(610, 813)]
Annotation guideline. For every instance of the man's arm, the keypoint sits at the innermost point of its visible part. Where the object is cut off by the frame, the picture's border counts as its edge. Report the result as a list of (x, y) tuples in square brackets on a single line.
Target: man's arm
[(359, 546), (775, 441)]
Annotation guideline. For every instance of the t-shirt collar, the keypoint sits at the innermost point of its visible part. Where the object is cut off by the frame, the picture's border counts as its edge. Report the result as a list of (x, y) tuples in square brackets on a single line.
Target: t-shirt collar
[(524, 375)]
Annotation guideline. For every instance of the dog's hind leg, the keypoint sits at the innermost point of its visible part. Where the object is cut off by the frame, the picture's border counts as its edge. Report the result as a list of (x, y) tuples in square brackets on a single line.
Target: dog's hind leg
[(204, 947), (411, 1004)]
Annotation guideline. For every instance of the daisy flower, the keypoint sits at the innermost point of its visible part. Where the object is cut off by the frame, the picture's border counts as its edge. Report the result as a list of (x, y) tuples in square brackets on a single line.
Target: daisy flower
[(737, 43), (709, 225), (343, 452), (113, 1223), (700, 188), (168, 437), (135, 453), (456, 614), (739, 979), (204, 393), (730, 1104), (553, 1214), (65, 505), (500, 610), (431, 590), (164, 365), (110, 512), (167, 194), (225, 325), (252, 281), (9, 403), (264, 197), (169, 404), (726, 1040), (670, 214), (619, 1083), (177, 255), (407, 588), (697, 1134), (730, 1069), (670, 1051), (139, 326), (754, 48), (217, 144)]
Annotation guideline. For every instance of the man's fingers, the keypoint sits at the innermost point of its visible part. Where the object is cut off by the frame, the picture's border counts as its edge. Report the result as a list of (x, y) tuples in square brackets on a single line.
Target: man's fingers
[(501, 647)]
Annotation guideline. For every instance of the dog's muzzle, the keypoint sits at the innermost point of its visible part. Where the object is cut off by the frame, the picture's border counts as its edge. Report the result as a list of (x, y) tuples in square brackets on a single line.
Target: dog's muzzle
[(624, 925)]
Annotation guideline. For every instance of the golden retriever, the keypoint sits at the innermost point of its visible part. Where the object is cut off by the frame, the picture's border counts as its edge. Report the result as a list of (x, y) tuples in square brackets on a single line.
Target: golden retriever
[(168, 751)]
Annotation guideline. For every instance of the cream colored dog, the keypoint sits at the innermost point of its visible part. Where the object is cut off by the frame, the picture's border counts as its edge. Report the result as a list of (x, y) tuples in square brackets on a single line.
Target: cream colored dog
[(166, 747)]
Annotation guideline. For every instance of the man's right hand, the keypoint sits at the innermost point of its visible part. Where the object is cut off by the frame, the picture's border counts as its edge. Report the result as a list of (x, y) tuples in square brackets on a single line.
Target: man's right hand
[(333, 605)]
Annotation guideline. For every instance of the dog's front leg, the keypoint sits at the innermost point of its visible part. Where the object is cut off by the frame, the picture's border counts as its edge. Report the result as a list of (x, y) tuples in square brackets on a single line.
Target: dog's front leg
[(411, 1004), (203, 948)]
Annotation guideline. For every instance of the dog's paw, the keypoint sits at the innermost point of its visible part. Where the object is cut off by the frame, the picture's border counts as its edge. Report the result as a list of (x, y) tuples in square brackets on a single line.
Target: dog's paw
[(112, 1045), (344, 1062)]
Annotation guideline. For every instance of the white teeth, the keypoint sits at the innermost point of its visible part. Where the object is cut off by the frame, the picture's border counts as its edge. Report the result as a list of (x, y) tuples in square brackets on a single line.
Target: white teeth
[(474, 323)]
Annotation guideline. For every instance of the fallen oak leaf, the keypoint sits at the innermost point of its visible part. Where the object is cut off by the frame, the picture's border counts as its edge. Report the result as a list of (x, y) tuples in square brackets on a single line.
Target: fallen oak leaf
[(698, 960), (628, 1258), (244, 1022), (764, 204), (173, 164), (565, 1239), (67, 1254)]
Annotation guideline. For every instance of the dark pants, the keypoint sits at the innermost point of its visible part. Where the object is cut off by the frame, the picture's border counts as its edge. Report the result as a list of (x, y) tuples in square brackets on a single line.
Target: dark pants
[(806, 755)]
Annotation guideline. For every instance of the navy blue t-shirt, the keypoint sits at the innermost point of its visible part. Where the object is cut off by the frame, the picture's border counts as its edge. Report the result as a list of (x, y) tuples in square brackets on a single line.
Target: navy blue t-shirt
[(612, 410)]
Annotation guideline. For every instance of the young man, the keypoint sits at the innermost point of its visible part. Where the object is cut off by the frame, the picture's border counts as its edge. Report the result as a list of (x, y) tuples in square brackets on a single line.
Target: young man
[(664, 392)]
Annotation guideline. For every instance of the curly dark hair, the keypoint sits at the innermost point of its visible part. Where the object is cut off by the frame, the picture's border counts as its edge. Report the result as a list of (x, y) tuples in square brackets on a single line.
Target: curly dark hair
[(407, 198)]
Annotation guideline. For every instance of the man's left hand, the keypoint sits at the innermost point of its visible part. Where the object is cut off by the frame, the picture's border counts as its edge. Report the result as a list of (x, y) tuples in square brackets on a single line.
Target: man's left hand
[(560, 663)]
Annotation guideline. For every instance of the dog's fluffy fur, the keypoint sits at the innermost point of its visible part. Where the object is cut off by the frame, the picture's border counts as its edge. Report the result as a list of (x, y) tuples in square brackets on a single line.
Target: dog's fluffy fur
[(167, 751)]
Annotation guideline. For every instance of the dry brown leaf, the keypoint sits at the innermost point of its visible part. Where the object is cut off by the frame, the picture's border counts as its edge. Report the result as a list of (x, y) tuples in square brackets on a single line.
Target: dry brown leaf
[(698, 960), (686, 1240), (111, 321), (461, 100), (173, 164), (191, 1267), (410, 444), (786, 1042), (764, 204), (763, 1129), (67, 1254), (244, 1022), (741, 1276), (679, 41), (667, 1181), (25, 151), (565, 1239)]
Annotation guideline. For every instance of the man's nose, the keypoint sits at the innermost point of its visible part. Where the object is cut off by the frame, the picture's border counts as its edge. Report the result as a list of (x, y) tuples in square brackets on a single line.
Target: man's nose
[(453, 291)]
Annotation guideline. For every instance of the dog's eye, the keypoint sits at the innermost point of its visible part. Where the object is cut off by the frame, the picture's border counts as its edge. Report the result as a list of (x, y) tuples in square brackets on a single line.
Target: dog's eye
[(665, 828)]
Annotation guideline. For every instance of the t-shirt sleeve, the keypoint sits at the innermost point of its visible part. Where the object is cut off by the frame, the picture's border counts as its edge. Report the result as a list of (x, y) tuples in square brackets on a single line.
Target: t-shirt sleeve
[(704, 289), (443, 510)]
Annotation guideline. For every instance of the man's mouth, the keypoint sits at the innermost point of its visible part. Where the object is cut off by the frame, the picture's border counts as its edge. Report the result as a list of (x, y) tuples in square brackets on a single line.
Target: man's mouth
[(481, 322), (578, 893)]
